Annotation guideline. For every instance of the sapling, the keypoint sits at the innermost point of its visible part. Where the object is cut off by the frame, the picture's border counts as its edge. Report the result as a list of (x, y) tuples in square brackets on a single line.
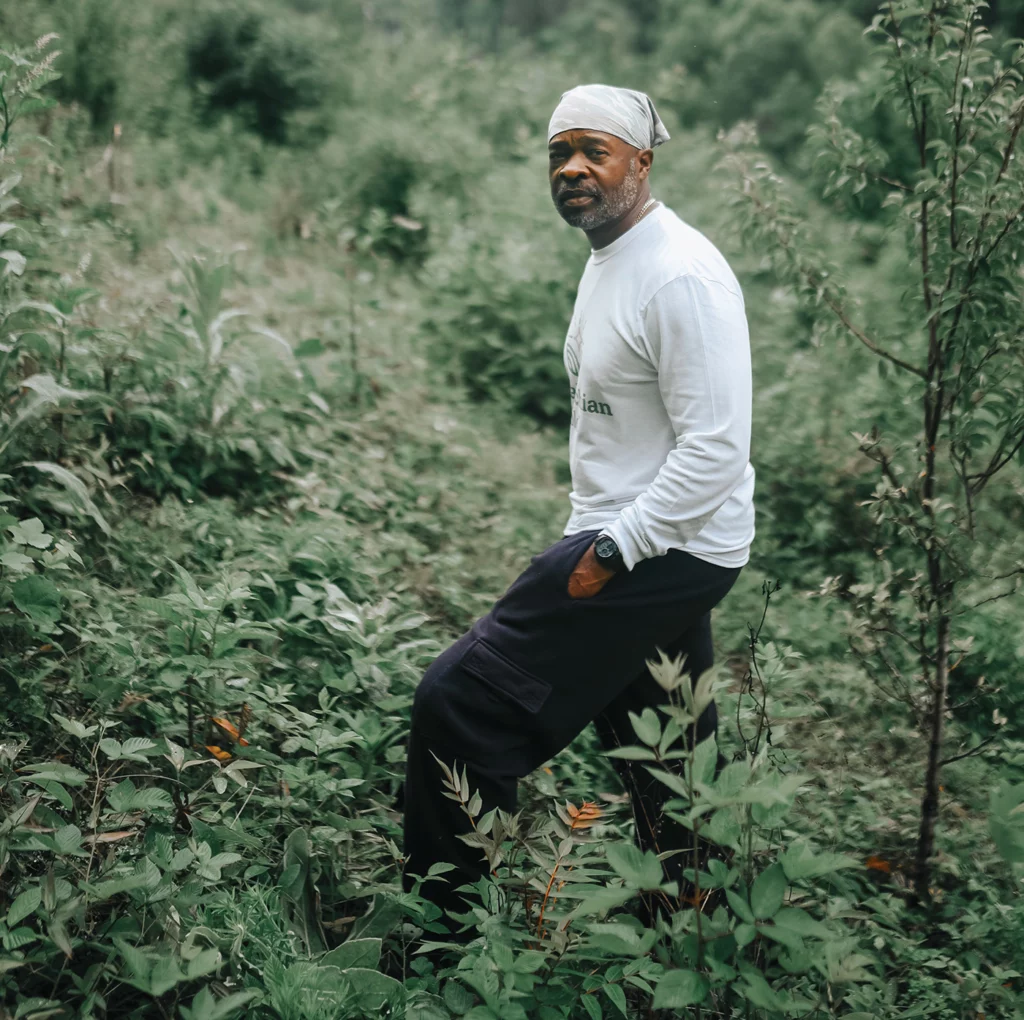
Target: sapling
[(950, 349)]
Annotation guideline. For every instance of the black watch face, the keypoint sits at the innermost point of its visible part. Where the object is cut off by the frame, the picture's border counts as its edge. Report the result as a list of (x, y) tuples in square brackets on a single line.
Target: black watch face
[(605, 548)]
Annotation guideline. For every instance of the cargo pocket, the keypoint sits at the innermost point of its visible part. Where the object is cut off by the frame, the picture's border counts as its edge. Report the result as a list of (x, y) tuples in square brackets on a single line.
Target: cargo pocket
[(504, 677)]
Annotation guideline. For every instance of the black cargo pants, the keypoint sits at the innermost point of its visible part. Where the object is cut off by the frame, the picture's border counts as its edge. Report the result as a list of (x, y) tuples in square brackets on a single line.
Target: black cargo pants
[(530, 675)]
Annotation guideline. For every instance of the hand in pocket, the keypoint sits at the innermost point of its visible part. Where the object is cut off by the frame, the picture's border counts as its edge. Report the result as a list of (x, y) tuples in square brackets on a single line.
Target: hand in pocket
[(588, 576)]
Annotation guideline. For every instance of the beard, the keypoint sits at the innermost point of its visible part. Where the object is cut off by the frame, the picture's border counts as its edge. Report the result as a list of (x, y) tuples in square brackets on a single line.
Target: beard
[(606, 208)]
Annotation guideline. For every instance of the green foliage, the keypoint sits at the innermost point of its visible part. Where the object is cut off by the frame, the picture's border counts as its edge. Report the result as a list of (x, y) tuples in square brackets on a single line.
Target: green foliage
[(23, 74), (754, 948), (951, 346), (727, 52), (497, 304), (264, 68), (93, 36)]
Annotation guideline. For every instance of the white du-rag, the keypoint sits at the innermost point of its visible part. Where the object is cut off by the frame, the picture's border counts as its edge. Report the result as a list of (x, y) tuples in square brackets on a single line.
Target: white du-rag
[(625, 113)]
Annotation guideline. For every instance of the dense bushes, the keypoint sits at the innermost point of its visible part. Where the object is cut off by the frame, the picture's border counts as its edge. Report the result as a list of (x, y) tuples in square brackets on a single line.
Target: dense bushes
[(759, 61), (499, 319), (260, 67)]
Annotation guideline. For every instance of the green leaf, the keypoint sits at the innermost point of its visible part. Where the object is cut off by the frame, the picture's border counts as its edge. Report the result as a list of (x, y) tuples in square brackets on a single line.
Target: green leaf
[(134, 747), (457, 997), (739, 906), (680, 988), (354, 953), (166, 973), (30, 532), (647, 726), (617, 996), (1006, 821), (758, 991), (37, 598), (25, 904), (801, 862), (640, 870), (211, 869), (309, 348), (110, 747), (205, 1007), (202, 964), (372, 988), (16, 562), (705, 758), (782, 935), (56, 771), (74, 727), (125, 797), (632, 751), (800, 923), (68, 839), (15, 262), (75, 488), (768, 892)]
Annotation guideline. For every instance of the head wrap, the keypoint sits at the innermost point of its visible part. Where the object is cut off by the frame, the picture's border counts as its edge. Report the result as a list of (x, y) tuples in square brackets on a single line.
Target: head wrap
[(627, 114)]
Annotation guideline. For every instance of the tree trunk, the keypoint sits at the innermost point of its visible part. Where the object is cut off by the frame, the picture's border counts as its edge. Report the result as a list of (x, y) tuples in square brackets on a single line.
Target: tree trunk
[(930, 803)]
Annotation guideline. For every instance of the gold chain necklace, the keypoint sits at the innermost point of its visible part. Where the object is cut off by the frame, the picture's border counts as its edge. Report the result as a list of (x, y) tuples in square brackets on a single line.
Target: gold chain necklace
[(643, 212)]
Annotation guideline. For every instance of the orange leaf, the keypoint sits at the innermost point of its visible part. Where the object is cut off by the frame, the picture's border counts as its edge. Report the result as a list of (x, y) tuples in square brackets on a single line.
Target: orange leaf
[(877, 864), (219, 754), (109, 837), (227, 725), (230, 729), (583, 816)]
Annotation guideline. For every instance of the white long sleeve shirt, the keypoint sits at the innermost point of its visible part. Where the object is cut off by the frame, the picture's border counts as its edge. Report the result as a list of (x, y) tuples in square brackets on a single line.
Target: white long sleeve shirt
[(658, 357)]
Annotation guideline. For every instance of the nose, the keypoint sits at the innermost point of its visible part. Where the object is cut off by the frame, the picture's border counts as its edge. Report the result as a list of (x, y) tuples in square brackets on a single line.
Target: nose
[(573, 168)]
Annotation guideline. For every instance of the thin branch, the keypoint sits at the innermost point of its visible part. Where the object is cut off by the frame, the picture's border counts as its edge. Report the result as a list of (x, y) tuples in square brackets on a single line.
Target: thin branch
[(903, 67), (1002, 233), (839, 312), (878, 177), (994, 598), (968, 754), (833, 304), (995, 465), (903, 637)]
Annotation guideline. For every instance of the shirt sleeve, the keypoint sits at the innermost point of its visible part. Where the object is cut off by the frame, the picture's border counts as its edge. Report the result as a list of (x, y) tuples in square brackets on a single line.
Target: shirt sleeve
[(697, 339)]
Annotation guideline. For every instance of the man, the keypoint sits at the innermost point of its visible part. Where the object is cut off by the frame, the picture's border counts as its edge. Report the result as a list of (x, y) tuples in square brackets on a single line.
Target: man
[(658, 360)]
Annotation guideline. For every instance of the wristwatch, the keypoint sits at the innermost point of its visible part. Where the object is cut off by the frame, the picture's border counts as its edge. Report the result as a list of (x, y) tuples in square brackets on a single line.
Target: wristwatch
[(607, 553)]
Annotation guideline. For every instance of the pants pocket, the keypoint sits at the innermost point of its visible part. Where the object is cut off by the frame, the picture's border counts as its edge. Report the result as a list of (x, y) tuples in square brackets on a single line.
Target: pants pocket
[(484, 662)]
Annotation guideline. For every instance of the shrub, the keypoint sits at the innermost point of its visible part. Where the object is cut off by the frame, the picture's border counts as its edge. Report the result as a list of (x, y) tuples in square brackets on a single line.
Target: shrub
[(263, 69), (93, 38)]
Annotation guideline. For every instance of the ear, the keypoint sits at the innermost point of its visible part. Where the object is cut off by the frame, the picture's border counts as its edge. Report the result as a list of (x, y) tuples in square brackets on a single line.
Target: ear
[(646, 160)]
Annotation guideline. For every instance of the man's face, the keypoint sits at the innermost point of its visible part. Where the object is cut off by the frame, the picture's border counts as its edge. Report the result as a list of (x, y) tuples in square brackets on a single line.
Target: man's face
[(595, 177)]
